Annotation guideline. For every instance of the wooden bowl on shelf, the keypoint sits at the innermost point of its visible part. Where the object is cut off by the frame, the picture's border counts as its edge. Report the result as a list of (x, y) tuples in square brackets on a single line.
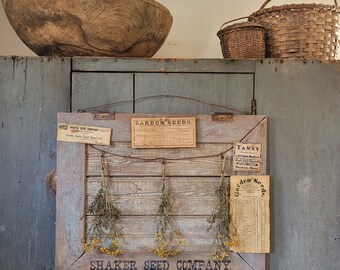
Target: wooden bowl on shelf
[(117, 28)]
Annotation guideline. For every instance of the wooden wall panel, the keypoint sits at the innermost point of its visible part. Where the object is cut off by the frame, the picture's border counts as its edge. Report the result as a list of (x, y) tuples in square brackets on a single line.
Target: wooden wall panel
[(302, 100), (163, 65), (95, 89), (231, 90), (32, 91)]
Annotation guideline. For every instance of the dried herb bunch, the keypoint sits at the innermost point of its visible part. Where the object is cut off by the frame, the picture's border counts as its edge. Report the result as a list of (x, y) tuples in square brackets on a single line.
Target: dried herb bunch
[(226, 235), (103, 234), (168, 240)]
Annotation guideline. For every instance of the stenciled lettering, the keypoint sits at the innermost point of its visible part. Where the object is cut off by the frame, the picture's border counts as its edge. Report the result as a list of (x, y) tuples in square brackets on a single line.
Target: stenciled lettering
[(113, 265), (202, 265), (156, 265)]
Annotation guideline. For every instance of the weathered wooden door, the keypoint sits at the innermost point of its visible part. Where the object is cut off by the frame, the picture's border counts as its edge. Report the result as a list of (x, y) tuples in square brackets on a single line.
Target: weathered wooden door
[(135, 177)]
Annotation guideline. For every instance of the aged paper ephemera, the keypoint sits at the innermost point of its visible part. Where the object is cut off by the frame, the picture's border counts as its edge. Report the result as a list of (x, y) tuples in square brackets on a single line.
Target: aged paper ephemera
[(249, 207), (166, 132), (84, 134), (247, 157)]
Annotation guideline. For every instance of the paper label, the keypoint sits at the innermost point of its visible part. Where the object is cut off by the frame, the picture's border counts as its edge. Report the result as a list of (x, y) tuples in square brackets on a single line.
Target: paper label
[(247, 157), (249, 208), (83, 134), (163, 132)]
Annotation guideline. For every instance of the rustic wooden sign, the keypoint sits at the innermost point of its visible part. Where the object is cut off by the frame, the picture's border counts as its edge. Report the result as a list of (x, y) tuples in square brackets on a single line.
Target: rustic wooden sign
[(163, 132), (83, 134), (136, 177), (249, 204)]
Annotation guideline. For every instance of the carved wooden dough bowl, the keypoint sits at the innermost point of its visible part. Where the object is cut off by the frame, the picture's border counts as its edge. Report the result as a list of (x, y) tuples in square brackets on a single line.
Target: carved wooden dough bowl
[(120, 28)]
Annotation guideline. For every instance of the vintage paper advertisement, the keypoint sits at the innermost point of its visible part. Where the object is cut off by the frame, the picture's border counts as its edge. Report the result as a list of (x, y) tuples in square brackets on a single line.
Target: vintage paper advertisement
[(84, 134), (249, 208), (247, 157), (163, 132)]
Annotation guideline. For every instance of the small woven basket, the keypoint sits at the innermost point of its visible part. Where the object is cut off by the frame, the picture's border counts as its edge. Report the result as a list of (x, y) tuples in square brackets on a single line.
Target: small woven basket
[(310, 31), (242, 40)]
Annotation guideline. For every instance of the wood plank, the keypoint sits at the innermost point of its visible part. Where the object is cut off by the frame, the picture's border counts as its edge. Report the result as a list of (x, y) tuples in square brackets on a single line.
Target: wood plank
[(304, 107), (230, 90), (148, 204), (208, 166), (141, 196), (185, 261), (207, 131), (140, 186), (259, 135), (145, 243), (139, 232), (96, 89), (124, 149), (70, 199), (132, 167), (32, 91), (145, 226), (162, 65)]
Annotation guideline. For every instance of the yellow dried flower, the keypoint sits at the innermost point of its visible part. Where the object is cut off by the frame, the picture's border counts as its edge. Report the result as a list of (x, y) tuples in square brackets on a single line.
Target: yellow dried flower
[(220, 219), (167, 239)]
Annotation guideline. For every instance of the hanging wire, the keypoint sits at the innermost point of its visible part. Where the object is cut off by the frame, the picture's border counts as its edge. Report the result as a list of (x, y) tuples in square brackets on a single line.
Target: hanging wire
[(159, 158), (179, 158), (96, 108)]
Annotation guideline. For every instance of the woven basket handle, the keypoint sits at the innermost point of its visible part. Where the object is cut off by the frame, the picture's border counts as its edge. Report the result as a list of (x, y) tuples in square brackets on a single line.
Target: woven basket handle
[(247, 17), (267, 2)]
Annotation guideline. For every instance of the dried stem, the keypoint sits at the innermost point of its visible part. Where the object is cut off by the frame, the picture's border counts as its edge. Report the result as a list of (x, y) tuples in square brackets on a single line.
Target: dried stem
[(226, 235), (168, 240), (103, 234)]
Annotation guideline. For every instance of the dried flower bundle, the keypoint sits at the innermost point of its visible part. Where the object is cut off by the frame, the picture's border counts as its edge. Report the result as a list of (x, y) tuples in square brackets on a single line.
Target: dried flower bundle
[(226, 235), (168, 240), (103, 234)]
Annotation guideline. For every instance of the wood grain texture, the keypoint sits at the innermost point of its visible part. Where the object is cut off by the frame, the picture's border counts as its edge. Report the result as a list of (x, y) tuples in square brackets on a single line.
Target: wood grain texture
[(183, 261), (106, 64), (304, 107), (207, 132), (70, 196), (230, 90), (141, 196), (205, 166), (139, 233), (120, 28), (32, 92), (96, 89)]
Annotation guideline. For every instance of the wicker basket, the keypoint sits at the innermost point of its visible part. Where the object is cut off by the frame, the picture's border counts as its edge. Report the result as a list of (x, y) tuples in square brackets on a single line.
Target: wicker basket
[(310, 31), (242, 40)]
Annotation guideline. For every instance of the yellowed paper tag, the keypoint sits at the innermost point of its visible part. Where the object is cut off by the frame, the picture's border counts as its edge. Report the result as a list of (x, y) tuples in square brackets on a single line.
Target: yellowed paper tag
[(247, 157), (84, 134), (249, 209), (163, 132)]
